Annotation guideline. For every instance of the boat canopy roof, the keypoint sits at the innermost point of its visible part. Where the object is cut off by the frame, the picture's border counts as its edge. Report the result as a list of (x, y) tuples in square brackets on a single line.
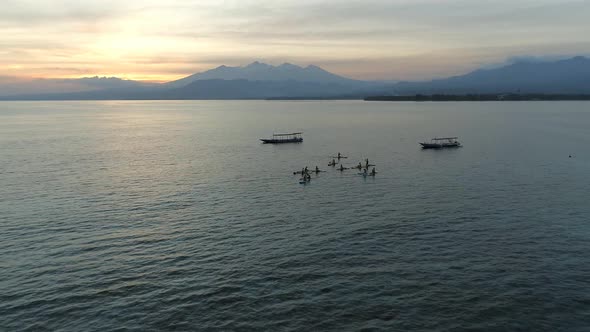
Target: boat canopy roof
[(443, 138), (291, 134)]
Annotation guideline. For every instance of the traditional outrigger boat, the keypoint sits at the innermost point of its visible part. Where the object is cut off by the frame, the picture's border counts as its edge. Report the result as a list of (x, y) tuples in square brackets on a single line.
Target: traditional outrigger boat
[(441, 142), (283, 138)]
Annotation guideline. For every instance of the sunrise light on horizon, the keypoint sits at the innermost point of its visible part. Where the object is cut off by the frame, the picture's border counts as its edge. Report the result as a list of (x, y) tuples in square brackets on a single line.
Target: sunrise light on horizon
[(165, 40)]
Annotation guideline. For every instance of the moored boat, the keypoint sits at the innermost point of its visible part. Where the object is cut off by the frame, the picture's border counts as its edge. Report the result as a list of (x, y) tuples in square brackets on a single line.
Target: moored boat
[(441, 142), (283, 138)]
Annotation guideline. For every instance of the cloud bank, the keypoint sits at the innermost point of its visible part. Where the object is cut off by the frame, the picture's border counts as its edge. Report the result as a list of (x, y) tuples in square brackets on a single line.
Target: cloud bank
[(372, 39)]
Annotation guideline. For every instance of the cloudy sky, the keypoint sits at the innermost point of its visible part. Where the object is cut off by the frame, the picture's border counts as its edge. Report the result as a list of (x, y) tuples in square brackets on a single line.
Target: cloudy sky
[(371, 39)]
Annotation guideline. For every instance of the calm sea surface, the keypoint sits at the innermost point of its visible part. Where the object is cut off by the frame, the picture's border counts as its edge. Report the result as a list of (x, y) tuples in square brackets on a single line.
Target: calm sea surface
[(145, 216)]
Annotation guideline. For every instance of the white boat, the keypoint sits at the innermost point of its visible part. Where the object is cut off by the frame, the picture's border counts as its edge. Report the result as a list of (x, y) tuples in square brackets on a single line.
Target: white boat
[(441, 142), (283, 138)]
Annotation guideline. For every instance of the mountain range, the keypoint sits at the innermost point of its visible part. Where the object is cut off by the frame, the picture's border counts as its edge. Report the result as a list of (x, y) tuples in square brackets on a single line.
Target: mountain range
[(262, 81), (258, 71), (570, 76)]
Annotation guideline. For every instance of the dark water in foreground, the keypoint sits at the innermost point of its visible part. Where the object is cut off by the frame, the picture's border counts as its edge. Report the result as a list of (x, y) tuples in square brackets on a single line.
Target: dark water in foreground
[(138, 216)]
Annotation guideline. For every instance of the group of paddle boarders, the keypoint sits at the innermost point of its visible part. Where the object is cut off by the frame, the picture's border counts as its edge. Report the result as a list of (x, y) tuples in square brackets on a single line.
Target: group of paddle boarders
[(306, 176), (360, 166), (306, 173), (366, 168)]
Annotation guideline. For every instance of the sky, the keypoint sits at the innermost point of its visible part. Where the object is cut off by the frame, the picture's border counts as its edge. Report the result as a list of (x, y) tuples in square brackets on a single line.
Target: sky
[(162, 40)]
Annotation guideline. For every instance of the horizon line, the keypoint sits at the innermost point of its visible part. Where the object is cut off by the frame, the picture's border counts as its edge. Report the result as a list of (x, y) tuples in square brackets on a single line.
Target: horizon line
[(172, 78)]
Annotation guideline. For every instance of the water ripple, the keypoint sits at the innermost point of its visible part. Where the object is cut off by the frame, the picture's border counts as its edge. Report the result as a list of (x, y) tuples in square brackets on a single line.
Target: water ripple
[(143, 216)]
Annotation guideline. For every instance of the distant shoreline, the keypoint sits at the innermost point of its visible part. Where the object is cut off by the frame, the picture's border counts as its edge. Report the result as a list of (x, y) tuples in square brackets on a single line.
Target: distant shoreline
[(483, 97), (404, 98), (315, 98)]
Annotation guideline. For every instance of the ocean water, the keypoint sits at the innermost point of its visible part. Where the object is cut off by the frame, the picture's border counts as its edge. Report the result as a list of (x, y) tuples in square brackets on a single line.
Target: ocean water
[(171, 216)]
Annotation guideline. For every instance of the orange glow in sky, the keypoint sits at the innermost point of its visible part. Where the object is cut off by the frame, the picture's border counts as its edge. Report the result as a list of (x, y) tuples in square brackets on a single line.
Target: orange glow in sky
[(158, 40)]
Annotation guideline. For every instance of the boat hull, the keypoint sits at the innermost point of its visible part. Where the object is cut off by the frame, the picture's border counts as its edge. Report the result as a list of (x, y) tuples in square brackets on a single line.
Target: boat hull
[(431, 146), (281, 141), (439, 146)]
